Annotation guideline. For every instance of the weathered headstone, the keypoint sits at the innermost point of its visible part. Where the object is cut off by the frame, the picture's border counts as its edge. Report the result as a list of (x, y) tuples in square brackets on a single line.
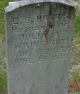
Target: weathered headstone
[(39, 36)]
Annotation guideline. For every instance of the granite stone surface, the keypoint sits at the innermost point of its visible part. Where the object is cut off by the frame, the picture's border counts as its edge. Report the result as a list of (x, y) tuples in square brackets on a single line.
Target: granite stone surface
[(39, 38)]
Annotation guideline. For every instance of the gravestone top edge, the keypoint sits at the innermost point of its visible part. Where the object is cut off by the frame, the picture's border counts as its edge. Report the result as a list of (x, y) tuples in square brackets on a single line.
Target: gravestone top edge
[(17, 4)]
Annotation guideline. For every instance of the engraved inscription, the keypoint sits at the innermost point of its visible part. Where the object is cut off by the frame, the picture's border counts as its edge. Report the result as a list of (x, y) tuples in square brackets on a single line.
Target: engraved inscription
[(15, 20), (28, 33)]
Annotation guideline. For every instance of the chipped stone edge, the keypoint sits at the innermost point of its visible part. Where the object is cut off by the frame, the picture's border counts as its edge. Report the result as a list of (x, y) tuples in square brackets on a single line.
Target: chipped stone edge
[(17, 4)]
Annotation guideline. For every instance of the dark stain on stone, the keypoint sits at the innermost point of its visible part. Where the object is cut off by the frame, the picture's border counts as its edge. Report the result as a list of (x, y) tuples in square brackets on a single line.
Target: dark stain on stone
[(49, 24), (39, 18), (46, 32), (50, 10)]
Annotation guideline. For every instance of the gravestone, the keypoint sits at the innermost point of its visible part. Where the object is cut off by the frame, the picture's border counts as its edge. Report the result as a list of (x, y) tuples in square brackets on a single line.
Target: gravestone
[(39, 37)]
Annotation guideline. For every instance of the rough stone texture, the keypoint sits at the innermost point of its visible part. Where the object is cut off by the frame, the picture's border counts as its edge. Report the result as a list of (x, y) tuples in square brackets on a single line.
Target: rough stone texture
[(39, 40), (13, 5)]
